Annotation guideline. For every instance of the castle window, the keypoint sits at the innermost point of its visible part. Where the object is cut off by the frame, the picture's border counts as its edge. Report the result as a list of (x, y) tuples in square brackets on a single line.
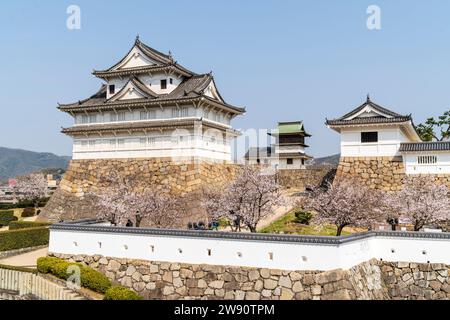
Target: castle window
[(289, 161), (112, 89), (143, 141), (163, 84), (175, 112), (368, 137), (121, 116), (171, 81), (152, 114), (144, 115), (427, 159), (84, 118), (151, 141), (92, 118), (184, 112)]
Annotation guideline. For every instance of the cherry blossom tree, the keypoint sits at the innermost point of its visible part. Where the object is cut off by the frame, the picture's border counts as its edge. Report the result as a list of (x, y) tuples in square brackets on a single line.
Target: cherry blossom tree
[(346, 203), (125, 200), (246, 200), (421, 200), (32, 187), (158, 208)]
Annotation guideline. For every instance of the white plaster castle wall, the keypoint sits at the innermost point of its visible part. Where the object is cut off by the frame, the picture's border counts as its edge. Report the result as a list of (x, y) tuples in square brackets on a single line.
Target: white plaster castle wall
[(249, 253), (173, 145), (388, 144), (156, 113), (412, 165)]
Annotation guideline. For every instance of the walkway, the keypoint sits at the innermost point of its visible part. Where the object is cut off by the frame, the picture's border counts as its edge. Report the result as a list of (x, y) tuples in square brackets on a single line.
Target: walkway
[(26, 259)]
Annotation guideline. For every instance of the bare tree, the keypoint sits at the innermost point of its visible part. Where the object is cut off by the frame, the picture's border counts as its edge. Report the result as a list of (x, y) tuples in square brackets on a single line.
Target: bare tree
[(246, 200), (32, 187), (421, 200), (346, 203)]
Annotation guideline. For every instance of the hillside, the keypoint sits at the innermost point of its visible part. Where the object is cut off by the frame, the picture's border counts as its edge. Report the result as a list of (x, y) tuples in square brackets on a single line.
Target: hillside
[(331, 160), (15, 162)]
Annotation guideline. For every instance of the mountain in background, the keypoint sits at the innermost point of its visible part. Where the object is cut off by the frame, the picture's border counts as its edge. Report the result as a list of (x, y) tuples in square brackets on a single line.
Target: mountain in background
[(329, 160), (16, 162)]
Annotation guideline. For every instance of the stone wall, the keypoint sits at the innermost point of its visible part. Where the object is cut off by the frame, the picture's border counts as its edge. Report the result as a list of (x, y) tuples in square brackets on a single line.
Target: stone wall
[(185, 180), (384, 173), (412, 281), (302, 178), (370, 280)]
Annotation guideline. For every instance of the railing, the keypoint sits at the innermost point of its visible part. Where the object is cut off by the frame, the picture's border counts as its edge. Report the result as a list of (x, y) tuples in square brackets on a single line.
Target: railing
[(20, 283)]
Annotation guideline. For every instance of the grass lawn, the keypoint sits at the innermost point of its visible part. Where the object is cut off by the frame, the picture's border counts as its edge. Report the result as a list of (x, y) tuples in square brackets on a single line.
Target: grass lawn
[(289, 225)]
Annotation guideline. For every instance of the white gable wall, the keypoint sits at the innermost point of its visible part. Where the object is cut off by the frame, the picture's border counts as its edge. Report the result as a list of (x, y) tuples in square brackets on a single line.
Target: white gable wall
[(389, 139), (152, 82)]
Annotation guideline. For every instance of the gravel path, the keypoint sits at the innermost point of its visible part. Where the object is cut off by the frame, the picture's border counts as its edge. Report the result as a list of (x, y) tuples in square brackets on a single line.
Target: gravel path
[(26, 259)]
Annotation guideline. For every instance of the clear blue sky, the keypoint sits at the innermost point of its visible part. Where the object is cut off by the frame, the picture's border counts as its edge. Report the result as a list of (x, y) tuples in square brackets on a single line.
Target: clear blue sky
[(283, 60)]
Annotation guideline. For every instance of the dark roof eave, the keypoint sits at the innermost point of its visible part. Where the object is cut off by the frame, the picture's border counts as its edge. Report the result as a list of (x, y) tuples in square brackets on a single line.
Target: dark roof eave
[(156, 102), (105, 74), (425, 146), (364, 121)]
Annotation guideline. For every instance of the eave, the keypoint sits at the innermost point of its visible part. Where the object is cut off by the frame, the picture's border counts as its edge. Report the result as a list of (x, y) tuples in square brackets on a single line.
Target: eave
[(171, 68)]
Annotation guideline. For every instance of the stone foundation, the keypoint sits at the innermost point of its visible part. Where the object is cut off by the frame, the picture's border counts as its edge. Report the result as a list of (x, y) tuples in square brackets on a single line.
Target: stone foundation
[(385, 173), (185, 180), (412, 281), (303, 178), (374, 280)]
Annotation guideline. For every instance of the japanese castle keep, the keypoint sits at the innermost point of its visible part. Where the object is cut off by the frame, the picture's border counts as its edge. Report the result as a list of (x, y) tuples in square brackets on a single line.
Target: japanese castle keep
[(152, 118)]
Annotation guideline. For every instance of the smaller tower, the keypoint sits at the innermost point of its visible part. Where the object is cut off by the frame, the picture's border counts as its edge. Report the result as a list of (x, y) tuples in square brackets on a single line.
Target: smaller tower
[(290, 145)]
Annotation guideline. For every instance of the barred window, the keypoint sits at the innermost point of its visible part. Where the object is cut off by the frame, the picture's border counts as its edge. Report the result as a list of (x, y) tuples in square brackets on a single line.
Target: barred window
[(112, 142), (151, 141), (152, 114), (121, 142), (175, 112), (92, 118), (143, 141), (427, 159), (144, 115), (184, 112), (121, 116), (367, 137)]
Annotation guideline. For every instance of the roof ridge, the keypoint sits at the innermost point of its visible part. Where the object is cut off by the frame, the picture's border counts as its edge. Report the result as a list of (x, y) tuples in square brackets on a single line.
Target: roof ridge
[(374, 105)]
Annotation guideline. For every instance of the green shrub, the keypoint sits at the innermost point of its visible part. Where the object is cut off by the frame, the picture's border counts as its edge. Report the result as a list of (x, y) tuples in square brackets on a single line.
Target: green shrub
[(121, 293), (90, 278), (6, 217), (23, 238), (303, 217), (24, 204), (16, 225), (28, 212)]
